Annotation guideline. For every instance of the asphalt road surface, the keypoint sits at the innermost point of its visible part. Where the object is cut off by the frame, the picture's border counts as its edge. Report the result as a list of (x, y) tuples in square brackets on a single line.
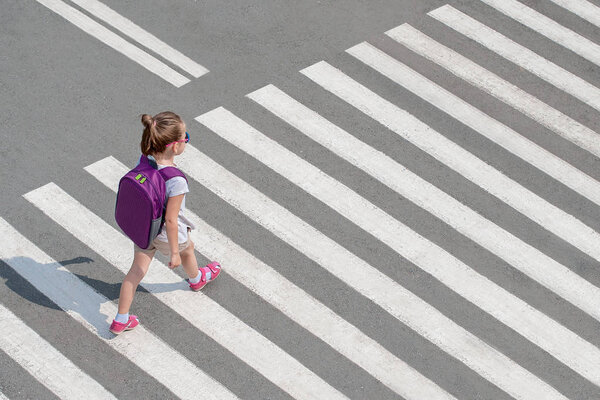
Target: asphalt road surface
[(403, 196)]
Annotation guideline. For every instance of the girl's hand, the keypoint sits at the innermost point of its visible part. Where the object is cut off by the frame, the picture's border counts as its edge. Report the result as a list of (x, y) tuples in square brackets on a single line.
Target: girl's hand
[(175, 260)]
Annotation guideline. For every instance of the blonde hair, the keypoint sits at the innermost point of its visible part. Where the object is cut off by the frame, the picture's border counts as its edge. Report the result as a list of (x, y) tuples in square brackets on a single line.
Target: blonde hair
[(160, 130)]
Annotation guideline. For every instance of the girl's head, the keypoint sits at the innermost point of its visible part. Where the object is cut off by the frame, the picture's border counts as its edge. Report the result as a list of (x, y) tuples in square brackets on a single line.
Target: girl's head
[(165, 131)]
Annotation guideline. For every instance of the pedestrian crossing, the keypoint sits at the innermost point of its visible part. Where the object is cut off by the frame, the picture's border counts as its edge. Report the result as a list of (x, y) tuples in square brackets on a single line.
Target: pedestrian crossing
[(572, 352)]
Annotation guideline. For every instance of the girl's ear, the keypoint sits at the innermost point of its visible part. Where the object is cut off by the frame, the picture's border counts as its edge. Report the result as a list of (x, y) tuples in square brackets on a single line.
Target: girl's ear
[(172, 148), (180, 147)]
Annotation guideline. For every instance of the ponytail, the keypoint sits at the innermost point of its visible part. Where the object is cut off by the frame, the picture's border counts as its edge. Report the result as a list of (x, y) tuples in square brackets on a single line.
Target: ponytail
[(147, 142)]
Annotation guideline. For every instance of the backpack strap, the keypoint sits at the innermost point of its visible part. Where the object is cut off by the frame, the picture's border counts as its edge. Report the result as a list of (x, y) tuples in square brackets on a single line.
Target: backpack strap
[(171, 172), (167, 173)]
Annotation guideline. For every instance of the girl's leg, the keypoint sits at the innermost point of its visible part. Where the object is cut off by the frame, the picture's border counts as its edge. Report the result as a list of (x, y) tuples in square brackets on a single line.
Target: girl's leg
[(189, 262), (139, 267)]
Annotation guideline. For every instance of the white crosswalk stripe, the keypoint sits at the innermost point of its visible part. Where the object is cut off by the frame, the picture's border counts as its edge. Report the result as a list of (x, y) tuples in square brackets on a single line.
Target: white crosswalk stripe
[(519, 55), (3, 397), (400, 303), (473, 73), (44, 362), (549, 28), (478, 121), (214, 320), (295, 303), (582, 8), (95, 312)]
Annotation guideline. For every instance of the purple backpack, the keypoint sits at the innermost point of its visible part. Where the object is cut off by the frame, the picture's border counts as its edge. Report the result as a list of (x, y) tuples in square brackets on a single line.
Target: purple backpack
[(142, 201)]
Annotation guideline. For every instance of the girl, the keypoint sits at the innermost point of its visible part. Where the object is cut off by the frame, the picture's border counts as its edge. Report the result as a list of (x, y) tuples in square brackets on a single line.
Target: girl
[(164, 138)]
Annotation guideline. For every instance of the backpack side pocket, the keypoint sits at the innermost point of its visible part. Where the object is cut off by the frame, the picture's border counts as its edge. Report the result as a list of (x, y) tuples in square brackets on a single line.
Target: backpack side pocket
[(155, 228)]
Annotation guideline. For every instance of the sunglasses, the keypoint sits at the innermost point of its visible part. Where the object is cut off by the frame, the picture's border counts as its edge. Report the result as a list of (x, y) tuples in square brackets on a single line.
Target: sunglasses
[(187, 139)]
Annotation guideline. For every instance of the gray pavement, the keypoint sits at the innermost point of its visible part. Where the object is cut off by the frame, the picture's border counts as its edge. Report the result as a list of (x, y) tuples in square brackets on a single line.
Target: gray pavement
[(68, 100)]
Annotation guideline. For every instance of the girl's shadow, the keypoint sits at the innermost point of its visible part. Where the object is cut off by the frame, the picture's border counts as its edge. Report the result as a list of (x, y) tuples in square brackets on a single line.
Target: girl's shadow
[(60, 289)]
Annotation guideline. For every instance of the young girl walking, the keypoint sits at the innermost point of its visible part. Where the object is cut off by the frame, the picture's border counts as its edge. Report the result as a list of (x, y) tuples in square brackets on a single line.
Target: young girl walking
[(164, 138)]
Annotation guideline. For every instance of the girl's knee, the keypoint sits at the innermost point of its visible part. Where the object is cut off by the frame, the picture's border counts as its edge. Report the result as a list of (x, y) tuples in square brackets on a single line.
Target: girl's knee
[(188, 250), (137, 272), (139, 267)]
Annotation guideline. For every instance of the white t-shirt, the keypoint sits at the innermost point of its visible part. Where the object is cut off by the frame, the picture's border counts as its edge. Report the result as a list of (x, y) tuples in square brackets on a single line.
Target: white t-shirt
[(174, 187)]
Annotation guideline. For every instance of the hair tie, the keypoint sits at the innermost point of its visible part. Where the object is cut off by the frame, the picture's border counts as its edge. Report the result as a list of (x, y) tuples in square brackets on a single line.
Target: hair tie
[(154, 123)]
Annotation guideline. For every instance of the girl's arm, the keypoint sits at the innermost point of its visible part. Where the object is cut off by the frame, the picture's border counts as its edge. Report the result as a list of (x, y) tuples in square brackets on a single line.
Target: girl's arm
[(173, 206)]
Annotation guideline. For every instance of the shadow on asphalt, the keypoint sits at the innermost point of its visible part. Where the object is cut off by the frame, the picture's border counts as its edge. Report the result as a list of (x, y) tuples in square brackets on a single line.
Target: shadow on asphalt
[(89, 309)]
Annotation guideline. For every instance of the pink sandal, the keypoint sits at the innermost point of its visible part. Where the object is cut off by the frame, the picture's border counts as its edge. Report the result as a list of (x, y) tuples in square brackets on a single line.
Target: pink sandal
[(214, 268), (118, 327)]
